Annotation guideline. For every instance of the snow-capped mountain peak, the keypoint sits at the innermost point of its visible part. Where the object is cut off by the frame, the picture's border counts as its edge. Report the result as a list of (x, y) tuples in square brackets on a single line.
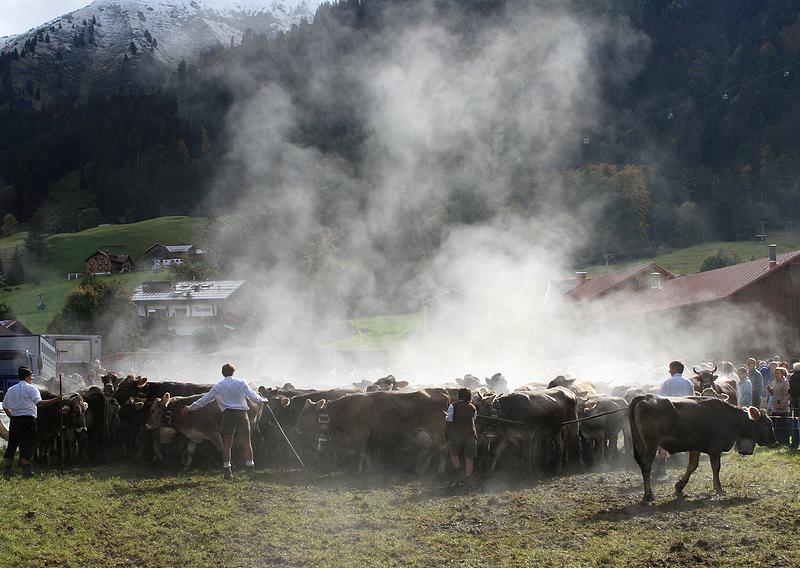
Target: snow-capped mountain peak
[(170, 30)]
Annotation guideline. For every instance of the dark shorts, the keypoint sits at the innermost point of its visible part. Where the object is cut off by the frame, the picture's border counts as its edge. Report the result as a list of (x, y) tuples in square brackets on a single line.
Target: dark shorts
[(21, 434), (467, 446), (235, 422)]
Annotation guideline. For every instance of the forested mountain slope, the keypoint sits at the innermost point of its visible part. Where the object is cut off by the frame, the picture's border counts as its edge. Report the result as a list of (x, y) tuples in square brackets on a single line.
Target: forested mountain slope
[(695, 140)]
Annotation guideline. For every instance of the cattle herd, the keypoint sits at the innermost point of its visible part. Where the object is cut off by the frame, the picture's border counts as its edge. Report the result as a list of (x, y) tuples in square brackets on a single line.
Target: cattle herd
[(532, 431)]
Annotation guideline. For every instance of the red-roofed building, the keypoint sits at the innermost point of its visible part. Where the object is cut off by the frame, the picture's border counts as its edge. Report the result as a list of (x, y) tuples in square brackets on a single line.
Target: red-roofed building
[(776, 286), (771, 286), (634, 279)]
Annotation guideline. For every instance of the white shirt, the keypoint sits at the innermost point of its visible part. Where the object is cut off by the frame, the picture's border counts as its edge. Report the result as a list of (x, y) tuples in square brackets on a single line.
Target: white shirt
[(230, 393), (21, 399), (449, 416)]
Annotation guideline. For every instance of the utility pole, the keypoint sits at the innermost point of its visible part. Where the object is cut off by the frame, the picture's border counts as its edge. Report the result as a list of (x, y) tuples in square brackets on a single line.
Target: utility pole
[(61, 437)]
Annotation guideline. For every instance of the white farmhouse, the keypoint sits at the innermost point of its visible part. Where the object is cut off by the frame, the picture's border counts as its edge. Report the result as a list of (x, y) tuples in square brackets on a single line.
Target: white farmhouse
[(186, 306)]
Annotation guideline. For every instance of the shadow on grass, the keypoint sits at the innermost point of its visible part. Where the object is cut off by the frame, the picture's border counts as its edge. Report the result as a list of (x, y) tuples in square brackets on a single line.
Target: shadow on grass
[(676, 505)]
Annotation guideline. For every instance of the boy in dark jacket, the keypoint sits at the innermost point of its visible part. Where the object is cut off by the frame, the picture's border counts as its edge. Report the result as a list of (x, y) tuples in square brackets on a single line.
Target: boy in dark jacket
[(463, 438)]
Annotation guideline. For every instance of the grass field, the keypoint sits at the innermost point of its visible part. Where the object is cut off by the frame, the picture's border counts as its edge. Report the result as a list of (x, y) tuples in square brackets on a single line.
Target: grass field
[(380, 332), (688, 260), (112, 516), (68, 252)]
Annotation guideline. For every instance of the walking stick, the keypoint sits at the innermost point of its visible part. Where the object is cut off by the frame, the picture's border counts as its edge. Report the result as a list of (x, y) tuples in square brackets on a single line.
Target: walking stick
[(60, 426), (285, 437)]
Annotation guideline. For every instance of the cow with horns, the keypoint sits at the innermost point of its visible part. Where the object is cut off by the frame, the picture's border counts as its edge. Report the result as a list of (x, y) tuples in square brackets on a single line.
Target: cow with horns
[(707, 383)]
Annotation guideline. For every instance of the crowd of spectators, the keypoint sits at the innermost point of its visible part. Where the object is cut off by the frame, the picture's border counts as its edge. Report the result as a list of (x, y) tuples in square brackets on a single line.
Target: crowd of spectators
[(774, 385)]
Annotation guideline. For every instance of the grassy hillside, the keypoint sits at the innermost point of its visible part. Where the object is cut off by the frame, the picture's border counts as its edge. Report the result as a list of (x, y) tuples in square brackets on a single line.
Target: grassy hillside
[(68, 252), (24, 299), (688, 260)]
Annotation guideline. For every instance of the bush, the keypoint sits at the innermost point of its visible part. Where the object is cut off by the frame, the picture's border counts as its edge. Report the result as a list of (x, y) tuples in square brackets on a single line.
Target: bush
[(104, 308), (6, 313), (723, 257)]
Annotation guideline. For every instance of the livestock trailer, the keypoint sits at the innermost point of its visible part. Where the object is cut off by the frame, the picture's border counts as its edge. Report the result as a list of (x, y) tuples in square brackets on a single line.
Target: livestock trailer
[(32, 351), (76, 353)]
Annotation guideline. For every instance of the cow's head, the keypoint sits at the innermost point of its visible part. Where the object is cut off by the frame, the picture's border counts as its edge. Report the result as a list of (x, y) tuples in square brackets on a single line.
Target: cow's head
[(705, 378), (384, 384), (158, 413), (308, 421), (74, 413), (110, 381), (761, 430), (561, 381), (131, 386), (586, 406), (131, 408), (469, 381), (710, 392)]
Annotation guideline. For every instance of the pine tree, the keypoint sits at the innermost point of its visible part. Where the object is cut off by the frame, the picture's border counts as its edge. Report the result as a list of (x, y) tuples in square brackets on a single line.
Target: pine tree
[(132, 48), (47, 38), (16, 272), (205, 145), (10, 225), (36, 245), (182, 150)]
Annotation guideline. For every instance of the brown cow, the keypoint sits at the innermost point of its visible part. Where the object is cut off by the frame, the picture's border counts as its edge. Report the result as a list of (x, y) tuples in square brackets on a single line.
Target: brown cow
[(542, 415), (600, 435), (694, 425), (204, 424), (382, 419)]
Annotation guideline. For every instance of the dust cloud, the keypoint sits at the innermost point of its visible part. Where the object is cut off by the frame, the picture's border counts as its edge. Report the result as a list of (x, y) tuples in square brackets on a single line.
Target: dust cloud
[(463, 131)]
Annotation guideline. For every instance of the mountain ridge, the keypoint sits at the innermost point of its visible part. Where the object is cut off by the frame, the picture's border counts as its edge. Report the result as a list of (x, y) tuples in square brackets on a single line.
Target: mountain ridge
[(100, 43), (223, 20)]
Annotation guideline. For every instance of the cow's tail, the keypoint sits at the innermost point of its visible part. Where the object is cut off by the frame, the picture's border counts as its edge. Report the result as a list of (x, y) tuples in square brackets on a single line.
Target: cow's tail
[(636, 434)]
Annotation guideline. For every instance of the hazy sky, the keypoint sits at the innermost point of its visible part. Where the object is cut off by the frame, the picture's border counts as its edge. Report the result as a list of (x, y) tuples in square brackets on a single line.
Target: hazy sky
[(17, 16)]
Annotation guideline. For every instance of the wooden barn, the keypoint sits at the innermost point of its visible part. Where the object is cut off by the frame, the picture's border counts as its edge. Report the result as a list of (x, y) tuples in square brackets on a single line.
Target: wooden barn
[(103, 262), (762, 295)]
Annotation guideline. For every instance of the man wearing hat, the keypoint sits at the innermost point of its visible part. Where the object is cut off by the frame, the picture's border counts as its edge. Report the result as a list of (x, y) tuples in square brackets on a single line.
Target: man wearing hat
[(20, 404)]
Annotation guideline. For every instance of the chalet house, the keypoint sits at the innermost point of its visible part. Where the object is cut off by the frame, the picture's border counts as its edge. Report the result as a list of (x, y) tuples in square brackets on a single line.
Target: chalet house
[(584, 289), (103, 262), (159, 256), (185, 307), (769, 287)]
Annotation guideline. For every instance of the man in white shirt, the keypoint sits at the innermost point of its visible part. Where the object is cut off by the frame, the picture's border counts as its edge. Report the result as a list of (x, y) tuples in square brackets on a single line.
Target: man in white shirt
[(231, 395), (676, 384), (21, 403)]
